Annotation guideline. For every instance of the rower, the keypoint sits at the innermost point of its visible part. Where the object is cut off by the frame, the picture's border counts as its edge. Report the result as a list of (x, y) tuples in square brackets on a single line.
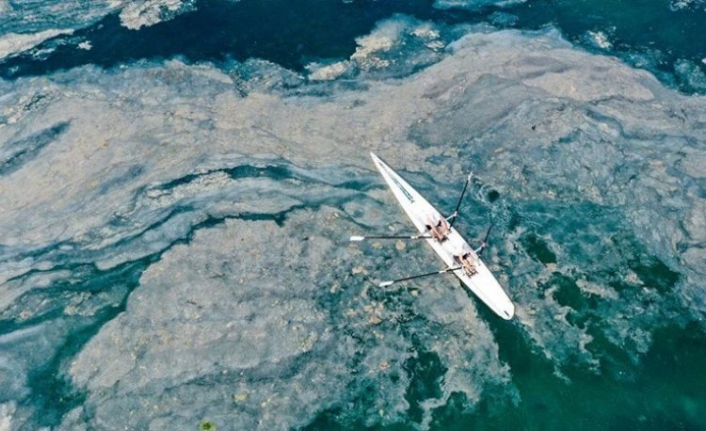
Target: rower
[(438, 226), (467, 258)]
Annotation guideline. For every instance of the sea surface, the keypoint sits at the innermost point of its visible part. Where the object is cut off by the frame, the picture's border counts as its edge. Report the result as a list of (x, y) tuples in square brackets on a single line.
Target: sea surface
[(179, 180)]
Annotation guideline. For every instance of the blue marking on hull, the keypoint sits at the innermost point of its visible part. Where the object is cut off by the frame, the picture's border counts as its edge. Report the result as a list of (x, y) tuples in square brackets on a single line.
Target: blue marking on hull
[(400, 186)]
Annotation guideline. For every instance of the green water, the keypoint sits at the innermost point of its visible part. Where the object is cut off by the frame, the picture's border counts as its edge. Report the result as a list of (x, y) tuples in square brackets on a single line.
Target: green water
[(663, 392)]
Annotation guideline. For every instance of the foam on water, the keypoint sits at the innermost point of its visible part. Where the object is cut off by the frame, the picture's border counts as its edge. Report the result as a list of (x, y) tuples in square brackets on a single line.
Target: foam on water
[(12, 43), (24, 25), (677, 5), (399, 46), (144, 13), (263, 331), (473, 4), (6, 411), (691, 74), (217, 203), (33, 16)]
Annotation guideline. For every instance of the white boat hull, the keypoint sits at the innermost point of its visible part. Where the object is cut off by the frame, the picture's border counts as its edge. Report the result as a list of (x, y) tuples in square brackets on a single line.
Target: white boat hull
[(483, 284)]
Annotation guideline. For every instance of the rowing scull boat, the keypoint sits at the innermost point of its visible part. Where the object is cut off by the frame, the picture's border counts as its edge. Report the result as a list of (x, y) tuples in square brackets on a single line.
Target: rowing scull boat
[(483, 284)]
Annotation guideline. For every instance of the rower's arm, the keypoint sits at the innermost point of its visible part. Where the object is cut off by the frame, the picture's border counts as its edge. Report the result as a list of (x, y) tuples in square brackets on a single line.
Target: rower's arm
[(480, 249)]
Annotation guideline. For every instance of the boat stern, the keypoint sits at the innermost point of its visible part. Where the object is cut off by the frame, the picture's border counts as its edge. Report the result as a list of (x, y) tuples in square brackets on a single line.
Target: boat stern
[(507, 312)]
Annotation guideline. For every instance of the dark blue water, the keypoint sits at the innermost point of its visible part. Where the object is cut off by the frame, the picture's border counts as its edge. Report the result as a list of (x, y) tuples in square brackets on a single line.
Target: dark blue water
[(648, 34)]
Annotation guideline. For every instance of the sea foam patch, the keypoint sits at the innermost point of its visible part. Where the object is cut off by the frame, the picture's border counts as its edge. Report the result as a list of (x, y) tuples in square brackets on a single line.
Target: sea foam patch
[(6, 409), (27, 24), (264, 332), (144, 13), (12, 43), (397, 46)]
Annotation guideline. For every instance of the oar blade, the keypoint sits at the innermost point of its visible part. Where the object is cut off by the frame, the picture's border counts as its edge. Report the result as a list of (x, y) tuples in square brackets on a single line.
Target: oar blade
[(386, 283), (355, 238)]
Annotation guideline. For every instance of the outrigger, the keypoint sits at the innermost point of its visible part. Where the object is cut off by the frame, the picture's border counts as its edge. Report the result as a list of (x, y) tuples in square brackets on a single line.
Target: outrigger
[(439, 233)]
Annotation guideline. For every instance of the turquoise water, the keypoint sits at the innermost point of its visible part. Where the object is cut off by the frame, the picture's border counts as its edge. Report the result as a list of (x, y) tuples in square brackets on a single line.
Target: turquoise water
[(655, 390), (176, 212)]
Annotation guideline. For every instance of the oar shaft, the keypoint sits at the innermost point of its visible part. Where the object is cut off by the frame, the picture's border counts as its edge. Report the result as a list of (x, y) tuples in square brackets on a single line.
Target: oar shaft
[(460, 199), (443, 271), (362, 238), (485, 241)]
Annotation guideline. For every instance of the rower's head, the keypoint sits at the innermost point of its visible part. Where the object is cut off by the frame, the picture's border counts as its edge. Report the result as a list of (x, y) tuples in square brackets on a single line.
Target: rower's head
[(433, 218), (463, 249)]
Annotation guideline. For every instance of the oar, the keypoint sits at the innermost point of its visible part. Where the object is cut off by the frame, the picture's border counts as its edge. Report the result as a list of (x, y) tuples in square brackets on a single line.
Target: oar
[(458, 205), (485, 239), (443, 271), (362, 238)]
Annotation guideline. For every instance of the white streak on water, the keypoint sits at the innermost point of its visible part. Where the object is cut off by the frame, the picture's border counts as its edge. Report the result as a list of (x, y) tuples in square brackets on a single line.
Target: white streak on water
[(473, 4), (144, 13), (12, 43), (599, 39), (14, 289), (319, 72)]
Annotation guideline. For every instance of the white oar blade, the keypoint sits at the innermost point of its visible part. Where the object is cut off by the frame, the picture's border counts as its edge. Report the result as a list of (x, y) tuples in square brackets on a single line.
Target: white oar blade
[(357, 238), (386, 283)]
